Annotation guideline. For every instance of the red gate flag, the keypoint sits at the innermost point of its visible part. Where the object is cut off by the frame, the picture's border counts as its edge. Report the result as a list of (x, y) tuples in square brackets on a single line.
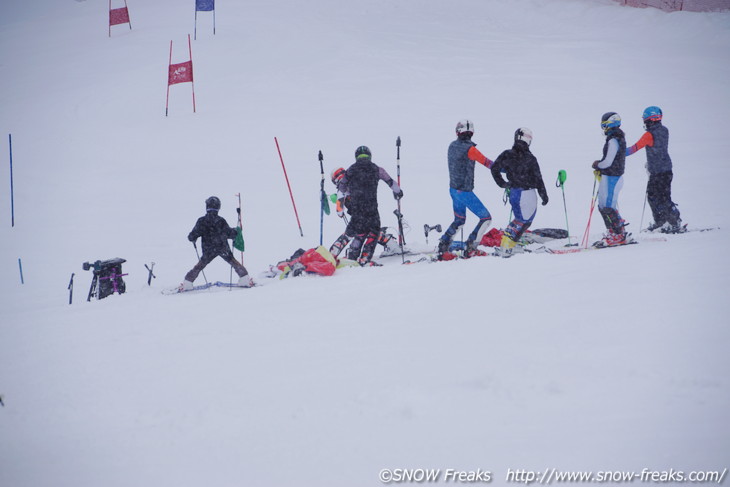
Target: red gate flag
[(180, 73), (118, 16)]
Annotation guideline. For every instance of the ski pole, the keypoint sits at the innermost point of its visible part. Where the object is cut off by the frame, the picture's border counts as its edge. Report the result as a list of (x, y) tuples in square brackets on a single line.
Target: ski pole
[(401, 237), (196, 253), (240, 225), (646, 197), (505, 199), (560, 182), (427, 229), (150, 274), (71, 289), (594, 197), (322, 197), (12, 199), (291, 195)]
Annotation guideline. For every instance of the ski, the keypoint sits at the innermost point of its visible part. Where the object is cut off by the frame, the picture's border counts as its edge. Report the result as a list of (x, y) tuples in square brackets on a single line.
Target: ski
[(684, 229), (574, 250), (179, 289)]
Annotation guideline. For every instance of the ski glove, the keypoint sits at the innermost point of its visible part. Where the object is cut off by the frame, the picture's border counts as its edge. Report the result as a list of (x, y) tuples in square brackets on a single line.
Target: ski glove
[(545, 200), (398, 195)]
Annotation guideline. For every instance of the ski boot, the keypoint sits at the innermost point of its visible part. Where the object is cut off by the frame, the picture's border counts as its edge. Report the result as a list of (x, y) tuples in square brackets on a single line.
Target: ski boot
[(472, 250)]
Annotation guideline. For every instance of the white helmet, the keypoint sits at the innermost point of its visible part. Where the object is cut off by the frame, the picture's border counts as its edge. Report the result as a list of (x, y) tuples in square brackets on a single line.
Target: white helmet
[(465, 126), (523, 133)]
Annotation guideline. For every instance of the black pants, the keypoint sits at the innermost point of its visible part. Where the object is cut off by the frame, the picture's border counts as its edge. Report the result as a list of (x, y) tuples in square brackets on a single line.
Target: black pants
[(659, 196), (208, 258)]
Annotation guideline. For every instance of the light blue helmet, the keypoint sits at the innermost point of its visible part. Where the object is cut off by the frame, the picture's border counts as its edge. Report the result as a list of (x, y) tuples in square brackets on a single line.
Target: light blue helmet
[(652, 114)]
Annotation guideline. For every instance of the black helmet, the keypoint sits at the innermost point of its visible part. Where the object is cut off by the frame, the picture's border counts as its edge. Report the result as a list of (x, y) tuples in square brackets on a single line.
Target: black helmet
[(362, 151), (213, 203)]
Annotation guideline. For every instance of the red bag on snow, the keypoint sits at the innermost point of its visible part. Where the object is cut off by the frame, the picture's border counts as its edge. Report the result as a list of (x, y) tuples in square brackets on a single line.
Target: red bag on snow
[(493, 238), (313, 261)]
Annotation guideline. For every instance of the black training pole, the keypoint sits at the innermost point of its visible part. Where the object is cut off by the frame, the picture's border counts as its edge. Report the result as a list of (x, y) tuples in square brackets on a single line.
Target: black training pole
[(12, 198)]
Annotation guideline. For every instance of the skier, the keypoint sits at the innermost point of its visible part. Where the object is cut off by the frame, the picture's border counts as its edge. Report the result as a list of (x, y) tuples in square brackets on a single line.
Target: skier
[(659, 166), (610, 172), (523, 185), (462, 155), (359, 186), (387, 240), (214, 232)]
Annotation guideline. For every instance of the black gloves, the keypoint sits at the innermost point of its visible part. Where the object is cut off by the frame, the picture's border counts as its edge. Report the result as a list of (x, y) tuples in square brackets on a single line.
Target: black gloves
[(398, 195)]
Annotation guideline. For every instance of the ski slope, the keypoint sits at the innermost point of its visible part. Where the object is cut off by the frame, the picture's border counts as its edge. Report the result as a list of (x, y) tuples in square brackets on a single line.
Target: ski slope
[(614, 360)]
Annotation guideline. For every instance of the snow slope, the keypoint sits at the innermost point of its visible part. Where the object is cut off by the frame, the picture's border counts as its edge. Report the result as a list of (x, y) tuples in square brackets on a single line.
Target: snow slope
[(607, 360)]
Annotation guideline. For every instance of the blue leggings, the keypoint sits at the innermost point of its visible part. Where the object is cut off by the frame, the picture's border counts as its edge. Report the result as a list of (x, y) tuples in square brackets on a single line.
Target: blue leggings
[(463, 200)]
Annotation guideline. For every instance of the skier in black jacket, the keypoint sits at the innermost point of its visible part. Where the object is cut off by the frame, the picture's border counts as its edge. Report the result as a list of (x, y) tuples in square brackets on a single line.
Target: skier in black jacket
[(214, 232), (360, 182), (524, 184)]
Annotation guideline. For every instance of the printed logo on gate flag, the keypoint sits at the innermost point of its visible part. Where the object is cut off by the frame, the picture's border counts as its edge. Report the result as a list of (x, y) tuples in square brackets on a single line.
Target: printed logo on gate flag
[(204, 5), (119, 16), (180, 73)]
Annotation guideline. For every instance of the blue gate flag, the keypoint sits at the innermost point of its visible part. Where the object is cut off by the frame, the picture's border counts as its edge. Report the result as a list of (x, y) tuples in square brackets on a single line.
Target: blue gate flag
[(204, 5)]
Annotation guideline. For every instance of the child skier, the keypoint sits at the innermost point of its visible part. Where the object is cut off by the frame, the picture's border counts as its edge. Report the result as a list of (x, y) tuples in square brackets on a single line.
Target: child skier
[(214, 232), (610, 170), (462, 155), (385, 239), (360, 185), (524, 184), (659, 166)]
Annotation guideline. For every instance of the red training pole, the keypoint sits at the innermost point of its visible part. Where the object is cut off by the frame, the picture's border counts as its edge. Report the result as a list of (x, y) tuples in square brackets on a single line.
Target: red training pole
[(192, 79), (289, 186), (169, 63)]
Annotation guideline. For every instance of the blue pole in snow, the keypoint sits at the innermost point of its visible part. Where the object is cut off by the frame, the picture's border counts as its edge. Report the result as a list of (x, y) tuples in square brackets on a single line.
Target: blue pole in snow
[(20, 266), (12, 199)]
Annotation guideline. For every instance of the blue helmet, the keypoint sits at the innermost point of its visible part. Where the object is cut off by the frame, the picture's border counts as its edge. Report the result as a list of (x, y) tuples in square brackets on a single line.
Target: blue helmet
[(652, 114), (610, 120)]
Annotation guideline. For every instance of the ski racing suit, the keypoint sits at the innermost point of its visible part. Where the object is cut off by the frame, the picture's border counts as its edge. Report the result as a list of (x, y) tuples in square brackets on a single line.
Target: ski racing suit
[(215, 233), (524, 184), (659, 166), (611, 169), (462, 155), (361, 183)]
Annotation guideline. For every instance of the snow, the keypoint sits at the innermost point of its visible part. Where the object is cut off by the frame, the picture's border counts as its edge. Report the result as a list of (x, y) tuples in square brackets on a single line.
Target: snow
[(607, 360)]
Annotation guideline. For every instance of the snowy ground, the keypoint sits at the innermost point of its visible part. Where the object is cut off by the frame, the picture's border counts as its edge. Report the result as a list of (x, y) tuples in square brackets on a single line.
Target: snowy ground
[(607, 360)]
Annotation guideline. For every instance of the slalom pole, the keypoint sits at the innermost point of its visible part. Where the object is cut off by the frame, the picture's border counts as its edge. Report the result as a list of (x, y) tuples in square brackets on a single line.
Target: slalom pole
[(12, 196), (322, 197), (192, 82), (195, 29), (196, 253), (240, 223), (646, 197), (20, 266), (594, 197), (301, 233), (401, 237), (169, 63), (560, 182)]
